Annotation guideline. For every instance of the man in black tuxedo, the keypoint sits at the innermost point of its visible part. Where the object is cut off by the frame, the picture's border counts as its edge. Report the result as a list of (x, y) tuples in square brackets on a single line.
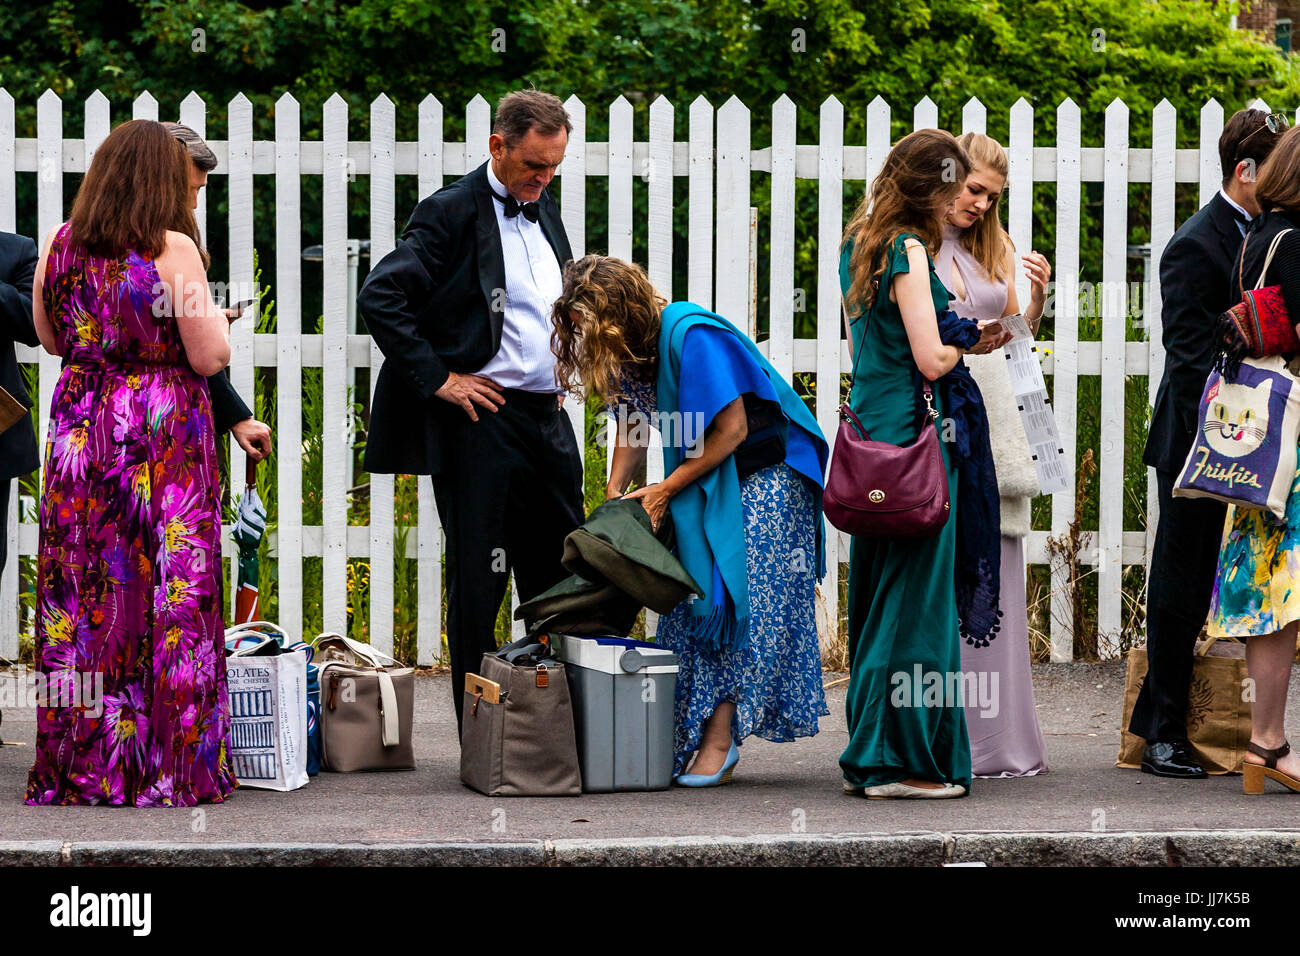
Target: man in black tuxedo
[(461, 309), (1195, 287), (229, 413), (18, 453)]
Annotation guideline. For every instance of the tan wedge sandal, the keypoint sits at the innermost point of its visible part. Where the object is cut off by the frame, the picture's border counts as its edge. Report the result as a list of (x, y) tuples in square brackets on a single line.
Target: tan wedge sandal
[(1253, 775)]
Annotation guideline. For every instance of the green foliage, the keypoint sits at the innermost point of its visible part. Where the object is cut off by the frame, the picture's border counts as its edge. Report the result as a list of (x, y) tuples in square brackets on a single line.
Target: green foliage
[(998, 50), (596, 456), (29, 490)]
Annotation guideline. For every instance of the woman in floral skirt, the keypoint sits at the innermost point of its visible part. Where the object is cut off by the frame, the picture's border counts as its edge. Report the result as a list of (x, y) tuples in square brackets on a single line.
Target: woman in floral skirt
[(129, 574), (745, 503)]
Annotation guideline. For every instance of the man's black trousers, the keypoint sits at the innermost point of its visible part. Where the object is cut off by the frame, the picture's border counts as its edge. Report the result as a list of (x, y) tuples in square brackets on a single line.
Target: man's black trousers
[(509, 492), (1179, 587)]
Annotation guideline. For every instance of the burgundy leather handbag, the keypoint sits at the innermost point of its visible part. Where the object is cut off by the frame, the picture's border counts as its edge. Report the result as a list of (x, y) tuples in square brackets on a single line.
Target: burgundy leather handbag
[(878, 490)]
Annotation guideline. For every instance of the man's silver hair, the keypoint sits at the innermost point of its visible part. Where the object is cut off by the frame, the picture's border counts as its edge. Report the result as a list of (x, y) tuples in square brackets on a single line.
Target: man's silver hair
[(201, 153)]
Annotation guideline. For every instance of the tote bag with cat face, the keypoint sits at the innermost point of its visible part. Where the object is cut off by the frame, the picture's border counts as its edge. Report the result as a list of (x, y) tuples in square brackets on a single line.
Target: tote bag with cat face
[(1244, 452)]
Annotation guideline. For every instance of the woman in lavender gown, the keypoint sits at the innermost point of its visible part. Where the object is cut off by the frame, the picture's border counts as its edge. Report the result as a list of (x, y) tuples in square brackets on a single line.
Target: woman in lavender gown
[(977, 264)]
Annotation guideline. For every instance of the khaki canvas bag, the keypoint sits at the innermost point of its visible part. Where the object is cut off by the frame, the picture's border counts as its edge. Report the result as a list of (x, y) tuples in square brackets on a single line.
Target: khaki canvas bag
[(524, 744), (1218, 720), (367, 707)]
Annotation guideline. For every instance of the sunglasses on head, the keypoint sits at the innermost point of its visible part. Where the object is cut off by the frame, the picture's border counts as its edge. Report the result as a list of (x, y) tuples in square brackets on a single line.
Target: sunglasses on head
[(1273, 122)]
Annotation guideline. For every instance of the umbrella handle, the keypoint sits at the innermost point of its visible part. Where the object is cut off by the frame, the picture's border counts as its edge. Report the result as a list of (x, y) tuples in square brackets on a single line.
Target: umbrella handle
[(250, 471)]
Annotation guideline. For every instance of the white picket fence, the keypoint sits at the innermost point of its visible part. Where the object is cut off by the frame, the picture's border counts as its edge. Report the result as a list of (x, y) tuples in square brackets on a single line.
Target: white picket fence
[(717, 161)]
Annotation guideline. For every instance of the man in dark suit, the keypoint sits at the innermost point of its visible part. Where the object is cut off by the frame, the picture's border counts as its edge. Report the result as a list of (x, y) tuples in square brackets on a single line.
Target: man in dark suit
[(229, 413), (1195, 287), (18, 452), (461, 309)]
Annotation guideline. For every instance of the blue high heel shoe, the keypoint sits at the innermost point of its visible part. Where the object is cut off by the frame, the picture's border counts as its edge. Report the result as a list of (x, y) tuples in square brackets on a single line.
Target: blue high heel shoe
[(716, 779)]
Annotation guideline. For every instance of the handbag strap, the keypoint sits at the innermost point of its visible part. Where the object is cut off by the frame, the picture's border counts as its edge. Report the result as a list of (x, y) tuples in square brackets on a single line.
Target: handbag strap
[(390, 728), (366, 653), (526, 651), (266, 628), (1241, 268), (1203, 647), (1268, 258), (846, 413), (246, 642), (848, 325)]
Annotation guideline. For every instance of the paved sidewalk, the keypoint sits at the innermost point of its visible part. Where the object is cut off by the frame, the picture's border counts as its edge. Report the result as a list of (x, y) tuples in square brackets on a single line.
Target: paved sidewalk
[(784, 806)]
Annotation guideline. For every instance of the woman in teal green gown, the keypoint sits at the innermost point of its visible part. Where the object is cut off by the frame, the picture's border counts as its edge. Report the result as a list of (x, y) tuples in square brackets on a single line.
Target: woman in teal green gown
[(902, 604)]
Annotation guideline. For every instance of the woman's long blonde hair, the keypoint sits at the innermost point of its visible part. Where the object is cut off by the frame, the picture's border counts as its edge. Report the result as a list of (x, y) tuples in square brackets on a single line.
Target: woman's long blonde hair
[(617, 326), (987, 241), (920, 178)]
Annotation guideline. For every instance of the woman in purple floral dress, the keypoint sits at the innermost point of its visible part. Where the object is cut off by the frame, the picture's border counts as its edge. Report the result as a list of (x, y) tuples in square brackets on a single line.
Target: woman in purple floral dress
[(129, 581)]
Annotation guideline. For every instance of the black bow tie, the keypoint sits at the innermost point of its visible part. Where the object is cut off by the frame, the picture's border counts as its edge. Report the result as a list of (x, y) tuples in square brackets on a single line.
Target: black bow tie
[(514, 207)]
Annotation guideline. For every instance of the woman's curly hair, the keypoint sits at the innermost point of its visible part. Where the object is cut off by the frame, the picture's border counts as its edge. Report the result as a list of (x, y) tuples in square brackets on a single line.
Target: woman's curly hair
[(607, 318)]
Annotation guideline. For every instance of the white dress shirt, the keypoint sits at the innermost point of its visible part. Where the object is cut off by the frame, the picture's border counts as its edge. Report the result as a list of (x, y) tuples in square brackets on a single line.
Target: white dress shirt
[(533, 283)]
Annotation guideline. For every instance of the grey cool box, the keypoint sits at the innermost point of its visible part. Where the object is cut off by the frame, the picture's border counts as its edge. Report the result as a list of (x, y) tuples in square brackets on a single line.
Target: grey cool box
[(623, 694)]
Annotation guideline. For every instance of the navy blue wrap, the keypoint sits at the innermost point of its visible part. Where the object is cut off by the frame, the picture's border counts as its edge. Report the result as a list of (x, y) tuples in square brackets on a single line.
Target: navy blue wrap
[(979, 518)]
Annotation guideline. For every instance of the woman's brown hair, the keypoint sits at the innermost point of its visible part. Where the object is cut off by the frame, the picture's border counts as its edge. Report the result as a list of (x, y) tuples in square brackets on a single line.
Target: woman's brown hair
[(986, 240), (136, 189), (618, 325), (1278, 183), (921, 176)]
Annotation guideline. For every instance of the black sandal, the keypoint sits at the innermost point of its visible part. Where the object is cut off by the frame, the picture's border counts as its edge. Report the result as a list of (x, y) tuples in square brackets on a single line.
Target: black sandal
[(1254, 774)]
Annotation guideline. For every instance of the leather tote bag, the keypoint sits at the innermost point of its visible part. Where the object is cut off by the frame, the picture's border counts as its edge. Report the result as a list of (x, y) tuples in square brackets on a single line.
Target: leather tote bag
[(523, 744), (368, 707), (878, 490)]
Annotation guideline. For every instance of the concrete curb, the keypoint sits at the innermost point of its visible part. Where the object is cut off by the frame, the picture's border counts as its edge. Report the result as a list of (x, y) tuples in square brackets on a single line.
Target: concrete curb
[(1169, 848)]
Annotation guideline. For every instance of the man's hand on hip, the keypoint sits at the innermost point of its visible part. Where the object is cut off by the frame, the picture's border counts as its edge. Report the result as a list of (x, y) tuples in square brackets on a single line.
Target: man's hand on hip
[(470, 390)]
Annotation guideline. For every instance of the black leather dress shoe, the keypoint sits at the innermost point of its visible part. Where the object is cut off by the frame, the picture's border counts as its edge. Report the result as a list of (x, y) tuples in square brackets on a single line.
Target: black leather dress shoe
[(1172, 759)]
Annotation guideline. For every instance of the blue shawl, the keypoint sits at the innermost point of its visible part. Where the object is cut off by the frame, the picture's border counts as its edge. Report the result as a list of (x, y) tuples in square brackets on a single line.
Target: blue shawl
[(693, 386)]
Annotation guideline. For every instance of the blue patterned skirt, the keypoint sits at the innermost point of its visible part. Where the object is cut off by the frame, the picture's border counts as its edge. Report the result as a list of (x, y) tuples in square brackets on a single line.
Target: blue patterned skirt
[(776, 682)]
